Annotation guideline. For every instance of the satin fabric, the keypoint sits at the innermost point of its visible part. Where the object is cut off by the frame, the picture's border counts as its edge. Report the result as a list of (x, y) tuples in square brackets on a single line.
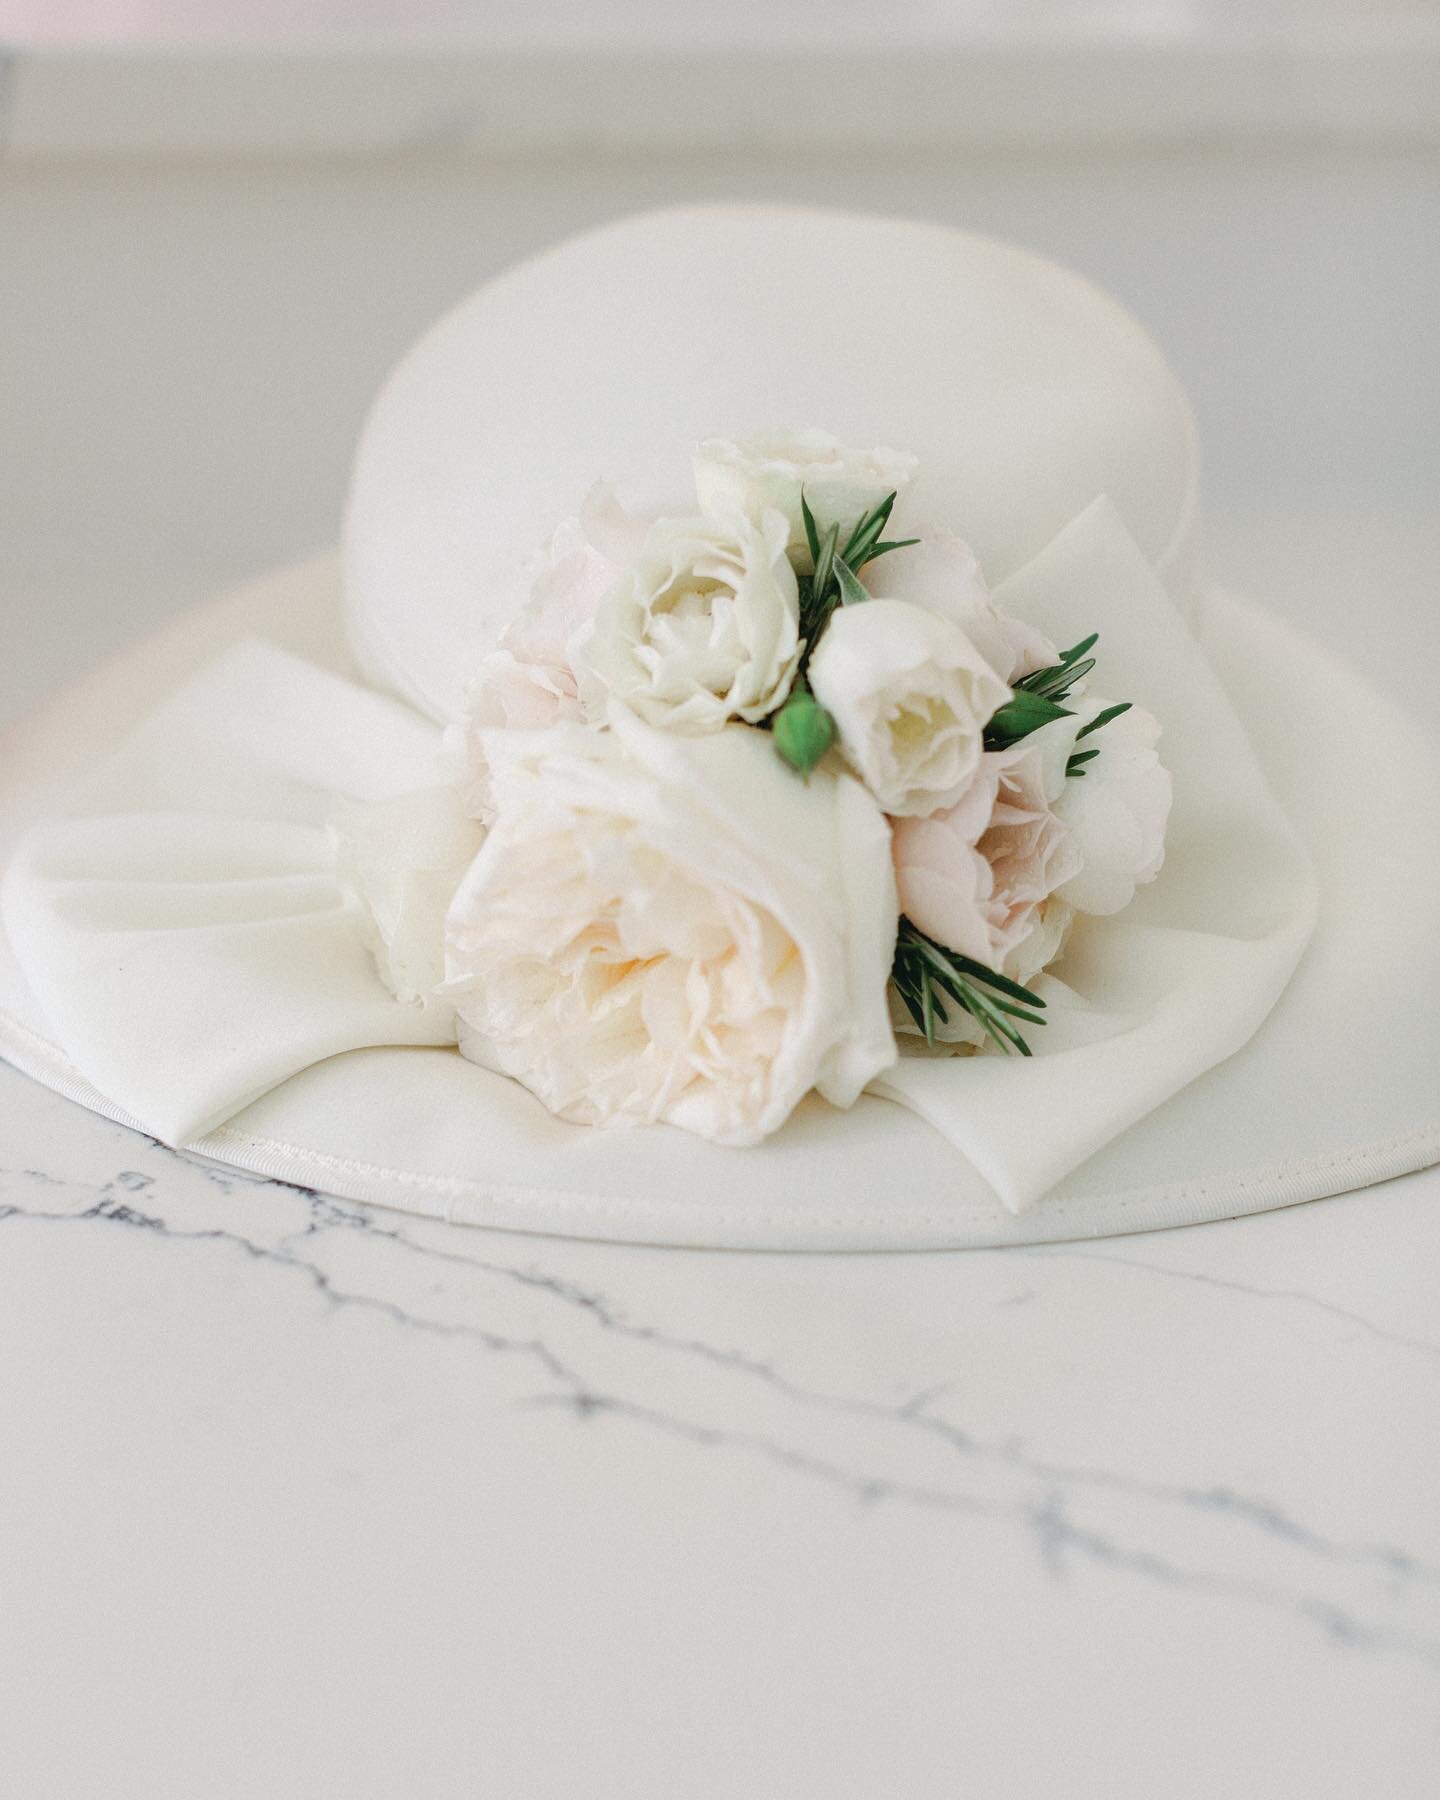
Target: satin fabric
[(182, 930)]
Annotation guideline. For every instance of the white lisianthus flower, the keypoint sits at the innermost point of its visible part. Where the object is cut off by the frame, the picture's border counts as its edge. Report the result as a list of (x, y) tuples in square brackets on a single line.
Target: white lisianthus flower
[(527, 681), (910, 696), (942, 574), (399, 862), (673, 928), (772, 470), (1118, 812), (705, 627), (977, 877)]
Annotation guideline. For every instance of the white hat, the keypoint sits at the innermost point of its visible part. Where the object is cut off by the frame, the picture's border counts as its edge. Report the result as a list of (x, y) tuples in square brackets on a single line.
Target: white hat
[(180, 957)]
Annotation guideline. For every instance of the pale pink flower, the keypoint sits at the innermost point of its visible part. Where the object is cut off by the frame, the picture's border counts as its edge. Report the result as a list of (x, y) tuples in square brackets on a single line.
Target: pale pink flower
[(528, 681), (977, 876)]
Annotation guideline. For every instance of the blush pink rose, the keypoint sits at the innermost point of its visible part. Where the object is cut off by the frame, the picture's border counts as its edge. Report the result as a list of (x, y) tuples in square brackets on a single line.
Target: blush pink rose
[(978, 876)]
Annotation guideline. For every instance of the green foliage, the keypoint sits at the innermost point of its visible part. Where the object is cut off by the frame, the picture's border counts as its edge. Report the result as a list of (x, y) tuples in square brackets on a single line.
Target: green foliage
[(836, 580), (1103, 718), (1021, 714), (1035, 701), (929, 979)]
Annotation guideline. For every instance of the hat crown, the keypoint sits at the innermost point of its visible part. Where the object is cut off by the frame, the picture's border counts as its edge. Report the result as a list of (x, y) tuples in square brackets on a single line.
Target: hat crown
[(1024, 391)]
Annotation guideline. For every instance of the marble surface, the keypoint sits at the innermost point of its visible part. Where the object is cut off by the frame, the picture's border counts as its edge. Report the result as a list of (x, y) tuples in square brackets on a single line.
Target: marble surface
[(301, 1500)]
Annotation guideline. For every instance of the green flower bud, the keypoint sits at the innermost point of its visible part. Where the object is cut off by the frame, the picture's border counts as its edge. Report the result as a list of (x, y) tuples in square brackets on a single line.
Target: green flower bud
[(803, 730)]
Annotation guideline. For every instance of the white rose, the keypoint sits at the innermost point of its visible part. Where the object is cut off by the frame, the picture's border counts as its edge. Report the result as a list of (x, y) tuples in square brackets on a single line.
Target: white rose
[(670, 928), (399, 862), (942, 574), (773, 469), (1117, 812), (528, 682), (910, 696), (705, 627)]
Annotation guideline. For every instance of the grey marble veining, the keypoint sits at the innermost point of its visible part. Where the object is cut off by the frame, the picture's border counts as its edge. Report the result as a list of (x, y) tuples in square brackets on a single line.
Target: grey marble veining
[(949, 1389), (905, 1453)]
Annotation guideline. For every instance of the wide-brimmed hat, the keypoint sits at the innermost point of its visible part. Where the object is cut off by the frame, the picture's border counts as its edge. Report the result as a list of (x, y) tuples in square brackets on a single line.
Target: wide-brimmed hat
[(178, 953)]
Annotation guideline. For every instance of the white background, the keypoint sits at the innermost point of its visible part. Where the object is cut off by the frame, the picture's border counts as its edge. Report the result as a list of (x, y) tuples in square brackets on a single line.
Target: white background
[(190, 346)]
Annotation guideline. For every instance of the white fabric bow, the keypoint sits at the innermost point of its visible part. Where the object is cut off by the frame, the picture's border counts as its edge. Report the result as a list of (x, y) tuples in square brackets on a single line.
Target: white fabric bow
[(184, 931)]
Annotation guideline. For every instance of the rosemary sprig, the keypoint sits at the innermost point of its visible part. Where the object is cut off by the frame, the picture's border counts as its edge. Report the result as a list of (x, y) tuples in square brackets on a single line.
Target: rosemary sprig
[(835, 580), (866, 542), (928, 978), (852, 589), (1085, 645), (1056, 681), (1078, 758), (1035, 701), (1021, 714), (1103, 718)]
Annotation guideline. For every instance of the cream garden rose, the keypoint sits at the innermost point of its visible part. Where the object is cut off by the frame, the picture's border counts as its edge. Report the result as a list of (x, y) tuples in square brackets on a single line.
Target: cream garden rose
[(702, 629), (773, 469), (662, 927), (910, 696)]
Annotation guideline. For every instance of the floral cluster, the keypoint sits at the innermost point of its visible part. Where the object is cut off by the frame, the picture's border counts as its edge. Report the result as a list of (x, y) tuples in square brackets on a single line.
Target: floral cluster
[(743, 793)]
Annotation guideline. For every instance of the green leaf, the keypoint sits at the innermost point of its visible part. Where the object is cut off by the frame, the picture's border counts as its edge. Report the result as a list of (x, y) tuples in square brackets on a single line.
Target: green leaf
[(1002, 983), (866, 531), (825, 564), (995, 1027), (1102, 718), (1012, 1011), (1076, 763), (1021, 714), (812, 536), (925, 974), (802, 729), (927, 1016), (884, 549), (1056, 681), (852, 589), (1076, 650)]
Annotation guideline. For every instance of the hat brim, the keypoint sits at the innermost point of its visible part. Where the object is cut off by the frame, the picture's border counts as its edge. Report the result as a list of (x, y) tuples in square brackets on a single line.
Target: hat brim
[(1335, 1092)]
